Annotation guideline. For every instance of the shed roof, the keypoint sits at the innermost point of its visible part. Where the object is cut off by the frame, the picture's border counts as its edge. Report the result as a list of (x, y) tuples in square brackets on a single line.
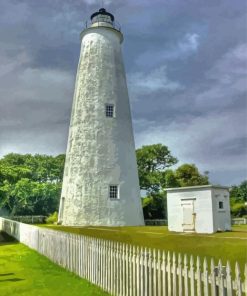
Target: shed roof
[(191, 188)]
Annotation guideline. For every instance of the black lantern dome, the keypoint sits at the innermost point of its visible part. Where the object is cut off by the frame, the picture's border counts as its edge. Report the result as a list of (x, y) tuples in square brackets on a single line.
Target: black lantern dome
[(102, 16)]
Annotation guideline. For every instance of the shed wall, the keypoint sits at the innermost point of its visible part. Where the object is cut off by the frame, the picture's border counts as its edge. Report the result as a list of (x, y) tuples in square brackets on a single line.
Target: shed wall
[(202, 208), (222, 217)]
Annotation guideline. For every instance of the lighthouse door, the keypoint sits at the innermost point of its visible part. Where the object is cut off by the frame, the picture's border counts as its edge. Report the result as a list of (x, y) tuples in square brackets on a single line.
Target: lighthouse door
[(188, 215)]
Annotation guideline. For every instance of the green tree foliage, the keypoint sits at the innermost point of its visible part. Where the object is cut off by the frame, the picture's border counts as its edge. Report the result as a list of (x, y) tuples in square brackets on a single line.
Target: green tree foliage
[(238, 198), (152, 162), (239, 193), (155, 174), (189, 175), (30, 184)]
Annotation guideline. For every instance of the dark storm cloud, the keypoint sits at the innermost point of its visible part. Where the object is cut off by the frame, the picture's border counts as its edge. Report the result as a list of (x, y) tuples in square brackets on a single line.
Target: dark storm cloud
[(186, 69)]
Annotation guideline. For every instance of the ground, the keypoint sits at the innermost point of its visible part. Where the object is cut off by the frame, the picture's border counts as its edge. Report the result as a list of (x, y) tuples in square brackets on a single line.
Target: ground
[(225, 246), (24, 272)]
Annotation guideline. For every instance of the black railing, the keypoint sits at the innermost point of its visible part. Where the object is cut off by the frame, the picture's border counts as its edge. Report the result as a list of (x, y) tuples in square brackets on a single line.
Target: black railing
[(114, 24)]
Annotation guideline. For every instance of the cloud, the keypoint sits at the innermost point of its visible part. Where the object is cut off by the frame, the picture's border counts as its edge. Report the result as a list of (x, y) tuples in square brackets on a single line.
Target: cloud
[(207, 125), (100, 3), (145, 84), (35, 106), (186, 66), (226, 80), (180, 50), (212, 142)]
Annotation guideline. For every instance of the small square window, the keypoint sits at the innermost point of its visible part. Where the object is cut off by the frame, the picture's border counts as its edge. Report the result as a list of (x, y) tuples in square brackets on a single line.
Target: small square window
[(221, 205), (109, 110), (113, 191)]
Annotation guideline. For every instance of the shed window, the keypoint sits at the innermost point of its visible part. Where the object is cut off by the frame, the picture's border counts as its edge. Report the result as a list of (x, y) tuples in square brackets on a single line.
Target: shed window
[(221, 205), (113, 192), (109, 110)]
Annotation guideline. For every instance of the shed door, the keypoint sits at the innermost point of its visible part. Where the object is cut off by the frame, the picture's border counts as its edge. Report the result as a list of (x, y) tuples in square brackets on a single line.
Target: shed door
[(188, 215)]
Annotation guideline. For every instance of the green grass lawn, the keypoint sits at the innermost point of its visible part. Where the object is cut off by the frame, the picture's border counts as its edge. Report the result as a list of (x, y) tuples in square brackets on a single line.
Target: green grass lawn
[(24, 272), (230, 246)]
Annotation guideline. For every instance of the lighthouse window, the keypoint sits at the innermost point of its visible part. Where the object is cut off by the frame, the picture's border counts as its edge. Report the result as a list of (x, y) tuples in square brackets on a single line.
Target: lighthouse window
[(109, 110), (113, 191)]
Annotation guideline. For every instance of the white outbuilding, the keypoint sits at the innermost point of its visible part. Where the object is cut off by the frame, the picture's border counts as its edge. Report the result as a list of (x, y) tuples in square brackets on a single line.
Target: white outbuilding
[(200, 209)]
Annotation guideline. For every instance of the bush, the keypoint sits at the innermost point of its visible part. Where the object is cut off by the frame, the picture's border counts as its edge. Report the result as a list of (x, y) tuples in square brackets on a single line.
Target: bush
[(238, 210), (52, 219)]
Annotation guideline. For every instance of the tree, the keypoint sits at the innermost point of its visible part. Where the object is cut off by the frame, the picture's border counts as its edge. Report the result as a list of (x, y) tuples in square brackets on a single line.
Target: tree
[(30, 184), (239, 193), (155, 174), (152, 162), (238, 198), (189, 175)]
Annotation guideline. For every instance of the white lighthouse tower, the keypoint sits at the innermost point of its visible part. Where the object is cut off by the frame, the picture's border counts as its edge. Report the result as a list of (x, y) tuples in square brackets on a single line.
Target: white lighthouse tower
[(100, 185)]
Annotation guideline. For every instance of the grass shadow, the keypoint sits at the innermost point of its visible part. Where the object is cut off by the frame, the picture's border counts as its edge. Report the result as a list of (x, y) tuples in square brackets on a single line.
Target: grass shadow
[(5, 239), (12, 280)]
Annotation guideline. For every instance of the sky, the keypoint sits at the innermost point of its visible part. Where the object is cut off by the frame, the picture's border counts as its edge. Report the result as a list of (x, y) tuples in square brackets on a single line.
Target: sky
[(186, 66)]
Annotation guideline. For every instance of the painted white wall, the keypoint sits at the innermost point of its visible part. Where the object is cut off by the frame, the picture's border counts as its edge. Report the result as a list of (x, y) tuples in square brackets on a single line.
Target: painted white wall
[(222, 217), (100, 150), (208, 218)]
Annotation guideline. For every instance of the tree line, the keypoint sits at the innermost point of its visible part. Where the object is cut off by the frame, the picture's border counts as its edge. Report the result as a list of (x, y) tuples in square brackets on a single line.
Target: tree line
[(31, 184)]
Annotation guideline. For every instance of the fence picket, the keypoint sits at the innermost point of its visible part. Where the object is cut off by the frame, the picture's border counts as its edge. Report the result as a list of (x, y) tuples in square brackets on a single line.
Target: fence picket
[(228, 279), (154, 273), (146, 272), (163, 273), (192, 277), (213, 279), (174, 275), (198, 276), (186, 286), (205, 276), (138, 259), (238, 280), (150, 273), (168, 268), (134, 271), (123, 289), (220, 279), (141, 271), (180, 279), (159, 280)]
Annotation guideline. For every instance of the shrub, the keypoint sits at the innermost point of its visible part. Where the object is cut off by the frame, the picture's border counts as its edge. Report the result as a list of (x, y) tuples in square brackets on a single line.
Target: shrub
[(238, 210), (52, 219)]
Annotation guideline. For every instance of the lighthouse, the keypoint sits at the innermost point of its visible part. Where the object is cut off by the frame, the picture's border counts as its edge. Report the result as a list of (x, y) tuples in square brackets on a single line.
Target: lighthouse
[(100, 184)]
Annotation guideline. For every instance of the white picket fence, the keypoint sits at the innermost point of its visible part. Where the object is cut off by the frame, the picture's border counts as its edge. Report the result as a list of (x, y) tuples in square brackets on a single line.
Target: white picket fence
[(126, 270)]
